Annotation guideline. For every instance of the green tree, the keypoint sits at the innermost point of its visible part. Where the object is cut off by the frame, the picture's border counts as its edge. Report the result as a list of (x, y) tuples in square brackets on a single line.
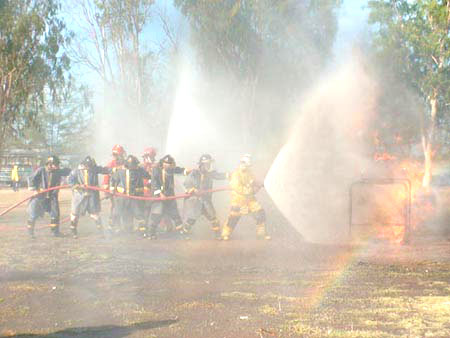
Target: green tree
[(112, 45), (412, 40), (262, 45), (33, 65), (67, 126), (62, 128)]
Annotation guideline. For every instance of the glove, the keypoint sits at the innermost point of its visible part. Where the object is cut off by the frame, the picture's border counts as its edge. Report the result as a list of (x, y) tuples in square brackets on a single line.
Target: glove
[(193, 191), (248, 190)]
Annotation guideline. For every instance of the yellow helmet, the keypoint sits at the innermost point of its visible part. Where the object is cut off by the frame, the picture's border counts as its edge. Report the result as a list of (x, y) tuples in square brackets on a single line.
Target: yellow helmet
[(246, 161)]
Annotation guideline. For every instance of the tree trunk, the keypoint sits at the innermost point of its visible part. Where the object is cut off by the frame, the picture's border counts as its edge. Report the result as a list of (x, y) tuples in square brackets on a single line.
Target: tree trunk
[(427, 140), (427, 166)]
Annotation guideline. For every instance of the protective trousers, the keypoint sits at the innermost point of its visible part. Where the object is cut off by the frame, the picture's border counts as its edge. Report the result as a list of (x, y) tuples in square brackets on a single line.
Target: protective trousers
[(41, 204), (161, 209), (235, 214), (197, 207), (126, 210)]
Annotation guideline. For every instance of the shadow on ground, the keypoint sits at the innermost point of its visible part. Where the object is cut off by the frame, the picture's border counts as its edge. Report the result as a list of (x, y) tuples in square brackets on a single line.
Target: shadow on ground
[(112, 331)]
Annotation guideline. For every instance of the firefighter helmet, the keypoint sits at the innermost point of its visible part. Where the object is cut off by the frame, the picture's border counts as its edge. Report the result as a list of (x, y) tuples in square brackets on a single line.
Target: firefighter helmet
[(118, 150), (149, 152), (132, 162), (89, 162), (167, 159), (205, 158), (53, 159), (246, 161)]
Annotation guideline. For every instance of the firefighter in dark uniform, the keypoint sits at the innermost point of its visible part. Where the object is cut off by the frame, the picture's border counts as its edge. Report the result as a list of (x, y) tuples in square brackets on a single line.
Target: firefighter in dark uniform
[(201, 179), (43, 178), (129, 181), (243, 201), (84, 200), (118, 154), (148, 163), (163, 185), (149, 159)]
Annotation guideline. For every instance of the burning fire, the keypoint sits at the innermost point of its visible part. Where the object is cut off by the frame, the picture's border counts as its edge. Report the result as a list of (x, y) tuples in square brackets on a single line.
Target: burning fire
[(392, 233), (390, 214)]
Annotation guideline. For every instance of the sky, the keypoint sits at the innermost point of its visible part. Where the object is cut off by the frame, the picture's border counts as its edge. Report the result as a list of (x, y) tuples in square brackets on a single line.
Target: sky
[(352, 21)]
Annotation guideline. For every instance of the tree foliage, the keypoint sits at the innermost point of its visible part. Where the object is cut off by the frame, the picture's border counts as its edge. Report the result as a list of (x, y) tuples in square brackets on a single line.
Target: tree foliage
[(113, 45), (412, 40), (237, 35), (64, 127), (33, 64), (262, 46)]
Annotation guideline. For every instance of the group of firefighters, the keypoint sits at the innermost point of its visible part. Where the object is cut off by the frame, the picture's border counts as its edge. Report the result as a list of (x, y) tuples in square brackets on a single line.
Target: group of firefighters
[(127, 180)]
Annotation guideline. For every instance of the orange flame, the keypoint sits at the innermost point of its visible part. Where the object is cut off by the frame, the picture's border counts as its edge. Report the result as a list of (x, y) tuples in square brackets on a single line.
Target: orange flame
[(392, 233), (390, 205)]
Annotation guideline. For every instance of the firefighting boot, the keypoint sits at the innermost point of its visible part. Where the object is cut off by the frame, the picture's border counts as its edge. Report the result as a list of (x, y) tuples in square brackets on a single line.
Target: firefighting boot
[(30, 228), (261, 232), (152, 234), (167, 224), (55, 230), (142, 229), (101, 230), (73, 228), (108, 232), (230, 224), (226, 232), (215, 227), (185, 231), (99, 224)]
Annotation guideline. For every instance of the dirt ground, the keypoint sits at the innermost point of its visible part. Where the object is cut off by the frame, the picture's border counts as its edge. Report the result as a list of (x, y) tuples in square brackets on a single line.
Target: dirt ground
[(130, 287)]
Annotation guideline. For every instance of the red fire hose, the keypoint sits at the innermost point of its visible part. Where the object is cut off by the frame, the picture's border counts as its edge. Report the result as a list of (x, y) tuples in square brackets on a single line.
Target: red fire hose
[(141, 198), (12, 207)]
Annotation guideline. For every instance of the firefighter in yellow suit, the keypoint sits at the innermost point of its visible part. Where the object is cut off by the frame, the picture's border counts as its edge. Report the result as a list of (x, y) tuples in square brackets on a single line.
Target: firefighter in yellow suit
[(243, 201), (15, 177)]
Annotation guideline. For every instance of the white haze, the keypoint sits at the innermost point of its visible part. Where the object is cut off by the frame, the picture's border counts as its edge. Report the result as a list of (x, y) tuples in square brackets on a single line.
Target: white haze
[(311, 176), (200, 123)]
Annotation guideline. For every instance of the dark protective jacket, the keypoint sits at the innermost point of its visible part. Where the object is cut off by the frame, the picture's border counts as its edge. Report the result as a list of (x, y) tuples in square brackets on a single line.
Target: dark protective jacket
[(112, 165), (148, 167), (84, 176), (163, 181), (129, 181), (202, 181), (43, 179)]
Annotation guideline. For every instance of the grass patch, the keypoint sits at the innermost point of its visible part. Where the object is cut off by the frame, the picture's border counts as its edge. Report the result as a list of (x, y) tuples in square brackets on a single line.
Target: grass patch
[(268, 310), (267, 282), (200, 305), (241, 295), (374, 300), (27, 287)]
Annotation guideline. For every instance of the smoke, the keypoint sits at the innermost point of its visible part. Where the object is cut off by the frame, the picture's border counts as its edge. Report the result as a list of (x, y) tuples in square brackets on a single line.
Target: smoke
[(310, 178), (324, 152), (202, 121), (116, 124)]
